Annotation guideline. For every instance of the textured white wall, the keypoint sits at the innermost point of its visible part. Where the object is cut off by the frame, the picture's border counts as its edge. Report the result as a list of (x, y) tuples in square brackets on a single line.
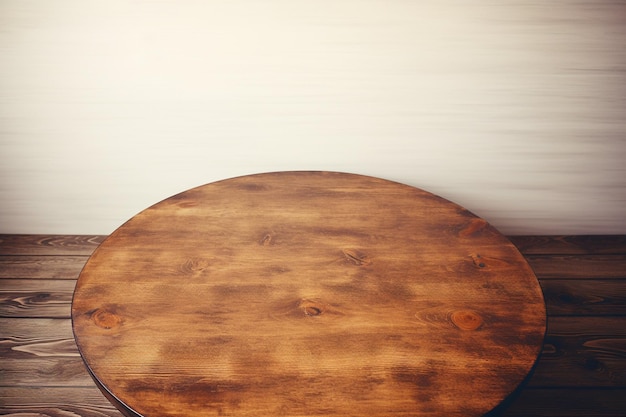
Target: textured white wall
[(514, 109)]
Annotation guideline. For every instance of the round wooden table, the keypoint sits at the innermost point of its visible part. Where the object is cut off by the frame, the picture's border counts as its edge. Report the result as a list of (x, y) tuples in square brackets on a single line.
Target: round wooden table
[(303, 294)]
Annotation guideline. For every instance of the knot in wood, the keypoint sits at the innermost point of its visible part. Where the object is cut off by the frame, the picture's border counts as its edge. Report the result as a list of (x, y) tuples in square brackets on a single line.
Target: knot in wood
[(311, 308), (478, 261), (105, 319), (194, 265), (266, 239), (466, 319)]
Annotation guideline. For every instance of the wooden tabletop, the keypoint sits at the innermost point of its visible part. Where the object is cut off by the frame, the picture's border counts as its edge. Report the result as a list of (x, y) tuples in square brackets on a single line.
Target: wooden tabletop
[(307, 293)]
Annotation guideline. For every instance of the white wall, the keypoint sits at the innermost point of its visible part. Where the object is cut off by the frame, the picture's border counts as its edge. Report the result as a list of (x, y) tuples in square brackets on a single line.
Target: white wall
[(514, 109)]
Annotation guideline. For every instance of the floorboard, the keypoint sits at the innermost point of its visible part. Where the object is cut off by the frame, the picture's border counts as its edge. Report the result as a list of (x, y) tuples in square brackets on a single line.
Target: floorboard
[(55, 402), (36, 298), (570, 245), (578, 266), (41, 266), (49, 244), (585, 297)]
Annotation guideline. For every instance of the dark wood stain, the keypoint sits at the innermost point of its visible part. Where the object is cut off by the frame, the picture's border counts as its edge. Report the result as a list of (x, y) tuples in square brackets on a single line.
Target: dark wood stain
[(579, 373)]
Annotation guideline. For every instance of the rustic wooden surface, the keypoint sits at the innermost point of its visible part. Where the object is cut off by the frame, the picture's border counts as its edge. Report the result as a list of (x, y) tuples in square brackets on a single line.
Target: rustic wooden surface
[(579, 373), (308, 293)]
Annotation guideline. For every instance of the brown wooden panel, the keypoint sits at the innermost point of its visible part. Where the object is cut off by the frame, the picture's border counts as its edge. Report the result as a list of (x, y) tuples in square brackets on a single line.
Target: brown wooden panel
[(36, 338), (567, 403), (40, 352), (49, 244), (45, 372), (583, 352), (570, 245), (579, 297), (24, 327), (578, 266), (50, 298), (59, 267), (55, 402)]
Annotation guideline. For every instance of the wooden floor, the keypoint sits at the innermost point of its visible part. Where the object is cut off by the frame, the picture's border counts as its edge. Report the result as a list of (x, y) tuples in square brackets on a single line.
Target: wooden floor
[(581, 372)]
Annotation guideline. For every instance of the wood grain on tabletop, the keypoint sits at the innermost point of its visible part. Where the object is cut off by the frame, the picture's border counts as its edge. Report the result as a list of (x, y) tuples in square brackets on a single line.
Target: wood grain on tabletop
[(302, 293)]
